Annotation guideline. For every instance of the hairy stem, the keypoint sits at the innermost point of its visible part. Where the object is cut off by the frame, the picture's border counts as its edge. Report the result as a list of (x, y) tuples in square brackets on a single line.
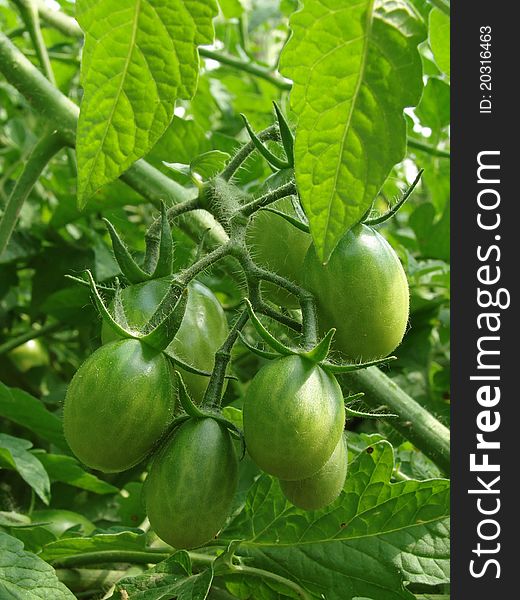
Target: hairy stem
[(415, 422), (42, 153), (271, 133), (289, 189)]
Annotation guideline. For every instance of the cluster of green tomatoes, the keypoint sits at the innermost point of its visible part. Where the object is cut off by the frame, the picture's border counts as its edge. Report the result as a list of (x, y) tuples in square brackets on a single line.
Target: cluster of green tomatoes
[(122, 406)]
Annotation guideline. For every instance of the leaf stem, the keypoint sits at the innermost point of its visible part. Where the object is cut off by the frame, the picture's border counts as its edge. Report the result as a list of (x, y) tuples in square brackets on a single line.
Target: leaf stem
[(32, 334), (288, 189), (42, 153), (426, 148), (271, 133)]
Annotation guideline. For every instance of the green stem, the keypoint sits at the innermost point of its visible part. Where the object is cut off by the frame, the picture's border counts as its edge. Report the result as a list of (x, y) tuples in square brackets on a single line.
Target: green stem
[(249, 67), (63, 114), (42, 153), (29, 12), (254, 572), (83, 580), (69, 26), (29, 335), (288, 189), (415, 422), (426, 148), (271, 133)]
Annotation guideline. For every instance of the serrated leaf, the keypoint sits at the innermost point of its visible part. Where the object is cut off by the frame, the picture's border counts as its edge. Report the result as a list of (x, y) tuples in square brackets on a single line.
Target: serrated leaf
[(368, 543), (26, 410), (68, 470), (24, 576), (439, 36), (14, 455), (171, 578), (139, 57), (355, 67)]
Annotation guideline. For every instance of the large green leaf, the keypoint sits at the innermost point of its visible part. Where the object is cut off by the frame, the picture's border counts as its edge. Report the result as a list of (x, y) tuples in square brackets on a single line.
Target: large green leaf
[(439, 35), (355, 67), (24, 576), (139, 57), (374, 538)]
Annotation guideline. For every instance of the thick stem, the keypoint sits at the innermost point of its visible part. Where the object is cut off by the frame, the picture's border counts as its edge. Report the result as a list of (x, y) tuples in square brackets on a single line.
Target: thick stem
[(32, 334), (59, 20), (63, 114), (415, 422), (213, 393), (29, 13), (42, 153), (289, 189)]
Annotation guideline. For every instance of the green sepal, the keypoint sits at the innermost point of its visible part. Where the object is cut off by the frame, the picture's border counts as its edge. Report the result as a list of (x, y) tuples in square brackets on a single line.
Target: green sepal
[(164, 261), (183, 365), (286, 135), (83, 282), (119, 309), (350, 412), (258, 351), (185, 399), (130, 269), (293, 221), (162, 335), (105, 313), (332, 368), (268, 338), (271, 158), (320, 352), (397, 206)]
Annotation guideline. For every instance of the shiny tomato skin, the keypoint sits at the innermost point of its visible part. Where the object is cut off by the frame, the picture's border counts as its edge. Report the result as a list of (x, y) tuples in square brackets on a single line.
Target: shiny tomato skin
[(202, 331), (293, 417), (118, 405), (322, 488), (191, 484), (363, 292)]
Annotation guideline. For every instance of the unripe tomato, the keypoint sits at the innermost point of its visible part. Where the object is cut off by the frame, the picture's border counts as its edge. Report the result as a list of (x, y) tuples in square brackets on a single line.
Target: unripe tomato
[(362, 292), (203, 329), (192, 481), (293, 417), (118, 405), (277, 245), (31, 354), (322, 488)]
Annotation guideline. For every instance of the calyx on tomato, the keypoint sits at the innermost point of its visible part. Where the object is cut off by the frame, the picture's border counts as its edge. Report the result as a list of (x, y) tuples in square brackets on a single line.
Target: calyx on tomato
[(362, 292), (191, 484), (118, 405)]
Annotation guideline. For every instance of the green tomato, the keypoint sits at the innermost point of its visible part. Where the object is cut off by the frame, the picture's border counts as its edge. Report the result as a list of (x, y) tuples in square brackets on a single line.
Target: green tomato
[(293, 417), (191, 484), (58, 521), (362, 292), (322, 488), (203, 329), (277, 245), (31, 354), (118, 405)]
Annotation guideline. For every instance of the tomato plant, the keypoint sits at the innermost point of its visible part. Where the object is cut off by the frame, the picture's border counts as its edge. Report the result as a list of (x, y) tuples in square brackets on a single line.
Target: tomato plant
[(217, 222)]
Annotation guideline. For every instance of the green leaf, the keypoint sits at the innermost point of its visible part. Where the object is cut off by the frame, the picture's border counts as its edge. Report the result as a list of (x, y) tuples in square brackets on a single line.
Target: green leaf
[(171, 578), (439, 37), (355, 67), (434, 108), (367, 544), (14, 455), (432, 236), (68, 470), (25, 410), (24, 576), (210, 163), (139, 57), (231, 9), (112, 542)]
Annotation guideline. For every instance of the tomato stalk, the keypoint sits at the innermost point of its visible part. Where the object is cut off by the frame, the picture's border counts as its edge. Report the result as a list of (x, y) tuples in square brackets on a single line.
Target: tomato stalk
[(270, 133)]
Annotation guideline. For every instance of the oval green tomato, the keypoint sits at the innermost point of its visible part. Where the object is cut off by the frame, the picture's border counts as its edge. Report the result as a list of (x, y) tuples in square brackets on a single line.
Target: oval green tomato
[(293, 417), (322, 488), (277, 245), (30, 354), (118, 405), (203, 329), (191, 484), (362, 292)]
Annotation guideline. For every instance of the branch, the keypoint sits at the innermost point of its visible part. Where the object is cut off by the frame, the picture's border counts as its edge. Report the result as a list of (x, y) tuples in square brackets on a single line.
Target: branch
[(32, 334), (426, 148), (42, 153), (415, 422)]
